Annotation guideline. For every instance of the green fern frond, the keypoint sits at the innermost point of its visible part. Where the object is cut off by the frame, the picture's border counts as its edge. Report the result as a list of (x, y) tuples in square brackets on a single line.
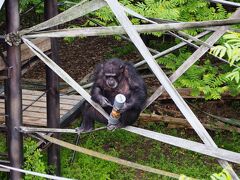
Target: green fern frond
[(213, 94), (220, 80), (168, 61), (234, 42), (209, 79), (231, 35), (168, 5), (218, 51), (105, 14), (234, 75), (224, 175)]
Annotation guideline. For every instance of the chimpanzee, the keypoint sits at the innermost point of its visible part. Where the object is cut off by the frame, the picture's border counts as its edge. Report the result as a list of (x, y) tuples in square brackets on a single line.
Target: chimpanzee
[(111, 78)]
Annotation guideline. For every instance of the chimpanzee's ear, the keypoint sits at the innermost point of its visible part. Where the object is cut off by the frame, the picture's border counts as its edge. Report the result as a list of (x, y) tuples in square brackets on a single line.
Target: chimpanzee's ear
[(130, 76), (122, 68), (98, 74), (125, 72)]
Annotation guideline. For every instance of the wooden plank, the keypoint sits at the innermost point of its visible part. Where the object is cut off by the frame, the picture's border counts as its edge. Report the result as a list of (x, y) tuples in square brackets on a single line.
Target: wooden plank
[(30, 121), (187, 144), (182, 105), (33, 113), (36, 113), (34, 121), (38, 93), (2, 119), (32, 92), (26, 53), (41, 104), (72, 97), (41, 111), (40, 108), (43, 99)]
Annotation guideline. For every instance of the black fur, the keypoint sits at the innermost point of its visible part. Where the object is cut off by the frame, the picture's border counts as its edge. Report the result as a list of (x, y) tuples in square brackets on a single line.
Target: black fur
[(129, 83)]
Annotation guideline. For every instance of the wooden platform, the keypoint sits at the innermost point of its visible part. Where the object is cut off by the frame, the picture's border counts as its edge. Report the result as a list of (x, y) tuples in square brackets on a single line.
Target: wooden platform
[(35, 113)]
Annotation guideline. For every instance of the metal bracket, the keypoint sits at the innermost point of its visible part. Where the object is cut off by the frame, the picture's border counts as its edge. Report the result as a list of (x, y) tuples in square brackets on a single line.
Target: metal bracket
[(13, 38)]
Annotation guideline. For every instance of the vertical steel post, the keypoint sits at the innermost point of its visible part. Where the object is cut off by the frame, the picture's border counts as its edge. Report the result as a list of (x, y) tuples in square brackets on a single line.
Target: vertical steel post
[(53, 107), (13, 92)]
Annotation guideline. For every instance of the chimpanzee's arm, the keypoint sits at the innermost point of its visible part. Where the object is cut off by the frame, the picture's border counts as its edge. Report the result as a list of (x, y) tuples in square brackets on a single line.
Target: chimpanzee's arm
[(136, 100), (138, 90)]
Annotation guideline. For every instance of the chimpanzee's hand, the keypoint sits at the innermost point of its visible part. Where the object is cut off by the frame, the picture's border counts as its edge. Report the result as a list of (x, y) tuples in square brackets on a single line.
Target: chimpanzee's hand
[(104, 102)]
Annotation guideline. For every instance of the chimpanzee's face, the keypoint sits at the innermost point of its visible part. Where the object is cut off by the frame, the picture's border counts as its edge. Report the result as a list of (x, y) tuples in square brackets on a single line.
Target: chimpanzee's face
[(113, 74), (111, 81)]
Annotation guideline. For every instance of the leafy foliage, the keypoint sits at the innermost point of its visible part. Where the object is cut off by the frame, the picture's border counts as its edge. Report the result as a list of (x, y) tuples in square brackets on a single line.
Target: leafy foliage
[(26, 4), (178, 10), (224, 175), (230, 49), (202, 77), (39, 5), (33, 159)]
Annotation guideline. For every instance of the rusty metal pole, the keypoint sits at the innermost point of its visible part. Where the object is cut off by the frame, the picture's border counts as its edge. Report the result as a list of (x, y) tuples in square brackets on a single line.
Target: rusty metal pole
[(13, 91), (53, 106)]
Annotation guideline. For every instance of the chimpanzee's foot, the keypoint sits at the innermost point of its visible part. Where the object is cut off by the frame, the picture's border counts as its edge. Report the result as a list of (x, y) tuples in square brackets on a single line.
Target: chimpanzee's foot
[(83, 128), (113, 127)]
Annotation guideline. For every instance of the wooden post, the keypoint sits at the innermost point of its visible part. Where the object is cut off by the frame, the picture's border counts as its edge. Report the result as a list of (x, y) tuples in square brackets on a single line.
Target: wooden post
[(13, 92), (53, 106)]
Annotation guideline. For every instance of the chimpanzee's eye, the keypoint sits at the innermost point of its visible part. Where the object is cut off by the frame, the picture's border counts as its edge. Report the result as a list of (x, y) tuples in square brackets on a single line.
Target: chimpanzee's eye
[(107, 76)]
